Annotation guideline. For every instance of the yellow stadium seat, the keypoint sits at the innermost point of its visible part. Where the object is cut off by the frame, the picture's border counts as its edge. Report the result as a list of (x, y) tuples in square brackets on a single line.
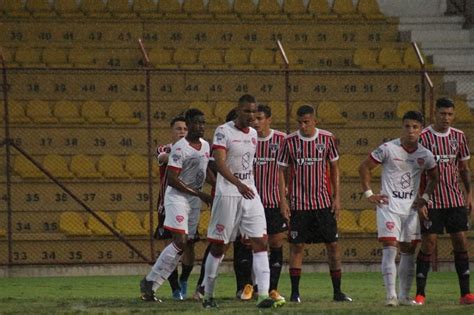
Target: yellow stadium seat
[(171, 9), (390, 58), (246, 9), (82, 58), (263, 59), (137, 166), (67, 8), (146, 8), (237, 59), (345, 9), (329, 112), (186, 59), (320, 10), (26, 169), (9, 58), (111, 166), (296, 10), (15, 9), (212, 59), (55, 58), (57, 166), (222, 109), (370, 9), (204, 222), (348, 222), (40, 112), (462, 111), (96, 226), (28, 57), (67, 113), (120, 9), (270, 9), (196, 9), (207, 109), (368, 220), (72, 223), (121, 113), (278, 111), (129, 223), (405, 106), (296, 105), (410, 59), (161, 58), (377, 171), (365, 58), (94, 8), (83, 167), (3, 232), (146, 222), (220, 9), (16, 113), (349, 165), (94, 113), (40, 8), (295, 61)]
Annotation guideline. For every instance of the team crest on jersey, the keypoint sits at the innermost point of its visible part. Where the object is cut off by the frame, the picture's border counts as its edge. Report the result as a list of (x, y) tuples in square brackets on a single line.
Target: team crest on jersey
[(454, 144), (390, 225), (220, 136), (427, 224), (273, 147), (320, 147), (179, 218), (294, 234), (420, 161), (220, 228), (254, 141), (176, 157)]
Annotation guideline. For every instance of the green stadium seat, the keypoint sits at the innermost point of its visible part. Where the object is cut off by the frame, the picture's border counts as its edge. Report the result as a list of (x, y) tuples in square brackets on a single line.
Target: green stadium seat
[(94, 9), (72, 223), (320, 10), (271, 10), (146, 9), (111, 166), (220, 9), (94, 113), (15, 9), (120, 9), (57, 166), (67, 113), (55, 58), (26, 169), (96, 226), (196, 9), (67, 8), (83, 167), (129, 223), (296, 10), (40, 112), (121, 113), (171, 9), (17, 114), (370, 10)]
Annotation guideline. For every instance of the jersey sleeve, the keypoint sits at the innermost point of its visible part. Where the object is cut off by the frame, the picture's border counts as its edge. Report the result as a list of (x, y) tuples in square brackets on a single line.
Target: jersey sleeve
[(430, 161), (464, 153), (175, 160), (284, 154), (379, 154), (332, 146), (220, 138)]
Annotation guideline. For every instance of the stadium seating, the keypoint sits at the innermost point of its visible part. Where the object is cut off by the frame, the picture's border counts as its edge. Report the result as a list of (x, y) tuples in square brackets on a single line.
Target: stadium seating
[(348, 222), (120, 9), (129, 223), (67, 113), (344, 9), (111, 166), (96, 226), (72, 224), (196, 9), (368, 220), (329, 112), (146, 222), (40, 112), (121, 113), (3, 232), (246, 10), (161, 58), (207, 109), (222, 109), (186, 59), (263, 59), (270, 9), (370, 9), (320, 10), (83, 167), (296, 10), (82, 58), (57, 166), (405, 106), (390, 58), (67, 8), (94, 9), (171, 9), (146, 9), (15, 9), (55, 58), (40, 8), (220, 9), (26, 169), (463, 112), (17, 113), (94, 113), (204, 223), (365, 59), (137, 166), (410, 59), (278, 112), (29, 57), (237, 59), (349, 165), (212, 59)]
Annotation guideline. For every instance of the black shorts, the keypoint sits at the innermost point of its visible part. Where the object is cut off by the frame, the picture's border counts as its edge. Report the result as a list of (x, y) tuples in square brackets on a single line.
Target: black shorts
[(312, 226), (452, 219), (276, 223)]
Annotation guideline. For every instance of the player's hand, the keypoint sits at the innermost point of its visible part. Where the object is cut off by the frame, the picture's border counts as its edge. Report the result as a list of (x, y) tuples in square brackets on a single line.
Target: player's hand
[(205, 197), (378, 199), (285, 210), (419, 203), (246, 191), (336, 207), (423, 213)]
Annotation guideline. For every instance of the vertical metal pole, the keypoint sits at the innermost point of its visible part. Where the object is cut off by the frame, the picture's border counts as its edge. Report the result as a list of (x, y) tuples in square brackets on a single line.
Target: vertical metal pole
[(150, 166), (422, 74), (287, 85)]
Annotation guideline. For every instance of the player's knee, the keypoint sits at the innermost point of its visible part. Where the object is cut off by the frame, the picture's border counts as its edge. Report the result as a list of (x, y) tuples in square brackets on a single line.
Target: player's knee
[(297, 248), (217, 250), (259, 244), (180, 241), (459, 242)]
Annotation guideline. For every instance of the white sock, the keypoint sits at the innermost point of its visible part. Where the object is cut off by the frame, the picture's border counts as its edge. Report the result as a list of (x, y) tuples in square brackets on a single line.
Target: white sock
[(164, 265), (261, 270), (406, 273), (210, 274), (389, 270)]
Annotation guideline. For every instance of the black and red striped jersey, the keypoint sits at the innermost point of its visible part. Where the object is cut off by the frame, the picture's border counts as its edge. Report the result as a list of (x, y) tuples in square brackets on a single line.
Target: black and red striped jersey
[(307, 160), (266, 168), (165, 148), (448, 149)]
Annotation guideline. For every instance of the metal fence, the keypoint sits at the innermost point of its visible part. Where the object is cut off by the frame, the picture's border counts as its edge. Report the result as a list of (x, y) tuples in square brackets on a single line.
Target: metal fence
[(80, 183)]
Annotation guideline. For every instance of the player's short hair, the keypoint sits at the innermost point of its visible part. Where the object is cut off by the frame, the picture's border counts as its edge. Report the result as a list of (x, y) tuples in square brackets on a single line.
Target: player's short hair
[(177, 118), (414, 115), (247, 99), (231, 115), (191, 113), (265, 109), (444, 102), (304, 110)]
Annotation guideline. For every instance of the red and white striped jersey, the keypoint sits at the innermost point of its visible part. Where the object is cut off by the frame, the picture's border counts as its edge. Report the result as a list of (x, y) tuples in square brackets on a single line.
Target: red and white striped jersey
[(307, 159), (162, 149), (266, 168), (448, 149)]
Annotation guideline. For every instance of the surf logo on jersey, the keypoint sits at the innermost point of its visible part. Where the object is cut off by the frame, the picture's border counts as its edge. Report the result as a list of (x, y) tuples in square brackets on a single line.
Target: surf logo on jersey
[(405, 180), (179, 218), (390, 225), (246, 160), (220, 228)]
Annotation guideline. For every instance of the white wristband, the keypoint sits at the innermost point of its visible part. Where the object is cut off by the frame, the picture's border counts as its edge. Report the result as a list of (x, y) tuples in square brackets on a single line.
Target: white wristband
[(368, 193), (426, 197)]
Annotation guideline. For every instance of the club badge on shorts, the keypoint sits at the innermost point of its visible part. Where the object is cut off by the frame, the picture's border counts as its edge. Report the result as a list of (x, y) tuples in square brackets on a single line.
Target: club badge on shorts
[(294, 234), (427, 224)]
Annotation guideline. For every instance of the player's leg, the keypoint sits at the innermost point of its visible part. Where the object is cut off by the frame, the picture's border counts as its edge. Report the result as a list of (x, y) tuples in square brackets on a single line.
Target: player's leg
[(276, 228), (300, 225), (199, 293), (215, 257), (243, 268)]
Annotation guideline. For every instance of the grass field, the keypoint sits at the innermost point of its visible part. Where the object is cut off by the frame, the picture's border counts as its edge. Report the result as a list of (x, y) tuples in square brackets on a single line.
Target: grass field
[(119, 295)]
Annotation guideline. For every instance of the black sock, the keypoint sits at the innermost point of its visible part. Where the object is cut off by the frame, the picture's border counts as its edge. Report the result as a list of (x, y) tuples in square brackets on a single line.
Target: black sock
[(461, 261), (276, 262), (173, 280), (237, 271), (242, 264), (422, 268), (336, 280), (295, 274), (185, 272), (203, 265)]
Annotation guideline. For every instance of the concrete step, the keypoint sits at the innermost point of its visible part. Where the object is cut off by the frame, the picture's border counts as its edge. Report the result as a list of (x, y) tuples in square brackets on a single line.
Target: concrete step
[(453, 60), (440, 36), (448, 48), (426, 23)]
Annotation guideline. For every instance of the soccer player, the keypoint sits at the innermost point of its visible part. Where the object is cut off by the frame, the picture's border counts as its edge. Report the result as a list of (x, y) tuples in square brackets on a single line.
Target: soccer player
[(269, 144), (313, 207), (447, 209), (237, 205), (403, 160), (187, 167)]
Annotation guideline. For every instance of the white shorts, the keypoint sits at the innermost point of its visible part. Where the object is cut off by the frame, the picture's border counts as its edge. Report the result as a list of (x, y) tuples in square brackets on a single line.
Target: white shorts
[(233, 214), (392, 226), (182, 217)]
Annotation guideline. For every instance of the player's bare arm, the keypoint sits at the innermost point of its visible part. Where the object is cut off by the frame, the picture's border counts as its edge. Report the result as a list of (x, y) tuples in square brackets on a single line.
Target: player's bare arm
[(220, 157), (175, 182), (284, 208), (336, 188), (465, 174), (421, 203), (365, 173)]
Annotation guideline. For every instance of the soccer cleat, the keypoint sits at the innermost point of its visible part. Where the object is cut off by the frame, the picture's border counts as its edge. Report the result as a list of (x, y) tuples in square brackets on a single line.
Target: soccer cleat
[(341, 297), (295, 297), (199, 293), (184, 288), (276, 296), (209, 303), (420, 299), (146, 288), (177, 296), (247, 293), (265, 302), (391, 301), (407, 302), (467, 299)]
